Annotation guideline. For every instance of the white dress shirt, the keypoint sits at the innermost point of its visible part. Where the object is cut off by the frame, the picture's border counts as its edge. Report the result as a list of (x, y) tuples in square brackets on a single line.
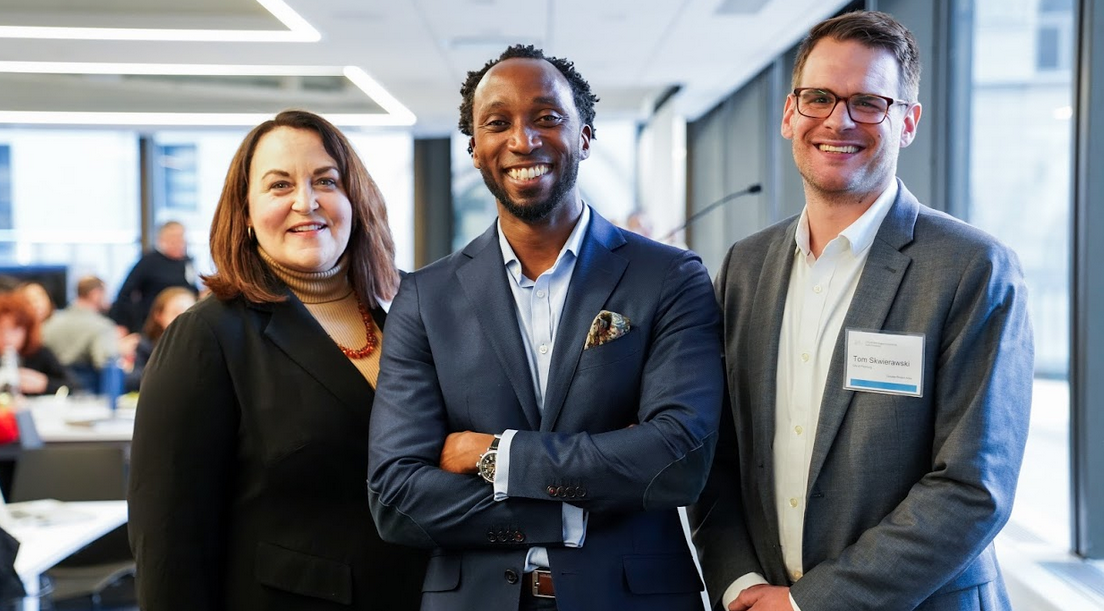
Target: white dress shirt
[(819, 295), (539, 305)]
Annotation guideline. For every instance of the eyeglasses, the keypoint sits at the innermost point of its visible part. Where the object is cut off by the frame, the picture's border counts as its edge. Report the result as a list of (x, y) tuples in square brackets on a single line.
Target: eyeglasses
[(862, 107)]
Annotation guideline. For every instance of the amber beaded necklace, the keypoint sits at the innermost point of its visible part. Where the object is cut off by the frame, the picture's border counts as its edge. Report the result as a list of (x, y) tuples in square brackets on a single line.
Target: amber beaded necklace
[(369, 330)]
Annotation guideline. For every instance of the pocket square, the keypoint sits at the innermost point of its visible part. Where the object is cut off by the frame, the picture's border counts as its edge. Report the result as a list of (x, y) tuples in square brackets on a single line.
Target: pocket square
[(607, 326)]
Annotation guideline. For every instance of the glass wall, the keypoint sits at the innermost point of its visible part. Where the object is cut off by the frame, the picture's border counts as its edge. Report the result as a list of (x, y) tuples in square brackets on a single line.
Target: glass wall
[(1020, 177), (73, 200)]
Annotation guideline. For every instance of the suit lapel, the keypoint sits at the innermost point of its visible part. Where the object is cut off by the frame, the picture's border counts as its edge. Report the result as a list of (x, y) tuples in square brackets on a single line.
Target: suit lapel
[(765, 332), (303, 340), (877, 289), (483, 280), (597, 272)]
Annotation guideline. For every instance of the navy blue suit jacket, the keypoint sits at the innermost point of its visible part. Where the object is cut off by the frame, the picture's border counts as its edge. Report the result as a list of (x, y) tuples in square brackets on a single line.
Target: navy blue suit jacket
[(454, 360)]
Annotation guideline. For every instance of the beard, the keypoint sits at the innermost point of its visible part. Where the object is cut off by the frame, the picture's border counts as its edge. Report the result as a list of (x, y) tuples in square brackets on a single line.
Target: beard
[(536, 211)]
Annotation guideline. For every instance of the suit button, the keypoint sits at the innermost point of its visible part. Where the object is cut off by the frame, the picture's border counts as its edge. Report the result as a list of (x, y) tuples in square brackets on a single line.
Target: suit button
[(559, 490), (570, 492), (511, 576), (551, 491), (581, 492), (519, 536), (491, 536)]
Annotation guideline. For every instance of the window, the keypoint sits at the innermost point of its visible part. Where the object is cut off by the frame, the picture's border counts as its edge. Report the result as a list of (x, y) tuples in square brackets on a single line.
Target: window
[(177, 186), (1054, 36), (1019, 176), (5, 198), (69, 197)]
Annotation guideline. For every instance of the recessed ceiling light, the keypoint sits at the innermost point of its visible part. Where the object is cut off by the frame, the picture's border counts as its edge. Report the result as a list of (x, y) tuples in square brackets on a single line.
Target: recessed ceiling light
[(396, 113), (298, 31)]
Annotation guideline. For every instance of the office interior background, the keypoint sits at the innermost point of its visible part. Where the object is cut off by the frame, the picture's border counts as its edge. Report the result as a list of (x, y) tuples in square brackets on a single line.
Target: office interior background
[(116, 116)]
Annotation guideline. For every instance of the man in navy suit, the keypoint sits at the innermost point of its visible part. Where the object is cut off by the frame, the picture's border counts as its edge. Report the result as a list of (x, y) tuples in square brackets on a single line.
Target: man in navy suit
[(879, 366), (549, 395)]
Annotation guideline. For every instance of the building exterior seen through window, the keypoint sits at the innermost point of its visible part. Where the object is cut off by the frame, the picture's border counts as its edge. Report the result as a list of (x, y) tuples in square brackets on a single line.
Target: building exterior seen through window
[(1020, 190)]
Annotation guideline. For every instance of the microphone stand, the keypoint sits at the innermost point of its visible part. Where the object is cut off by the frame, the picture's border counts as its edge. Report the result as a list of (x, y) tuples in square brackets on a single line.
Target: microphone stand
[(755, 188)]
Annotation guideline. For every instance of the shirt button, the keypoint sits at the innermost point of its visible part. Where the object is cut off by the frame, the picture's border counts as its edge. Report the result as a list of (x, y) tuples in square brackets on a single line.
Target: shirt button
[(798, 429), (796, 575), (805, 356), (817, 289), (544, 348), (793, 502), (540, 294)]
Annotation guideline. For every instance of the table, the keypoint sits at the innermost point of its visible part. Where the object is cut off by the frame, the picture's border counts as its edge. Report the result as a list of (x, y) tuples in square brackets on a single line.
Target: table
[(43, 546), (77, 420)]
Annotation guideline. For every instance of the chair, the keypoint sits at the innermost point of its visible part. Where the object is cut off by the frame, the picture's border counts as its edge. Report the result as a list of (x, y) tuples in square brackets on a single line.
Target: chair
[(29, 439), (80, 473)]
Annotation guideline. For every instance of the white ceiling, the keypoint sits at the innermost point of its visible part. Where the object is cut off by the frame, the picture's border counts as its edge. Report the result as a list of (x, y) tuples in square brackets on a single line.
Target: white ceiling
[(418, 51)]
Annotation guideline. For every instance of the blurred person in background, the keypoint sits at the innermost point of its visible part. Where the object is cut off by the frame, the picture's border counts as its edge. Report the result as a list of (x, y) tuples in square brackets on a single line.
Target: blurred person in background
[(40, 372), (168, 304), (39, 299), (250, 451), (81, 336), (167, 265)]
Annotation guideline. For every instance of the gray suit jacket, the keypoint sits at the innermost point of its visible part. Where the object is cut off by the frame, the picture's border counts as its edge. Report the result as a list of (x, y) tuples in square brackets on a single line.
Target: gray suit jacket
[(905, 493)]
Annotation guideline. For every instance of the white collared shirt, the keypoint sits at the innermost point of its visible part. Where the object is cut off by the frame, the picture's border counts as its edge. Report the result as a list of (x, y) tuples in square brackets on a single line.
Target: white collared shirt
[(817, 301), (539, 304)]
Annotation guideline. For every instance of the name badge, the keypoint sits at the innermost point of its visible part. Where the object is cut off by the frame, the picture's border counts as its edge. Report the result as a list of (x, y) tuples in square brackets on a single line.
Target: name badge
[(889, 363)]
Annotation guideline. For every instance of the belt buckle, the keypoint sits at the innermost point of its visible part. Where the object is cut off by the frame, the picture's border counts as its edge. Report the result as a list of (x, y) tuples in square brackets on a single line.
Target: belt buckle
[(539, 574)]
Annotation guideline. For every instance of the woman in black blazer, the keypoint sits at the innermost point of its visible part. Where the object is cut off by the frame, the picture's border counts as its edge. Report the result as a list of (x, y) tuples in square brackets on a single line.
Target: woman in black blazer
[(249, 462)]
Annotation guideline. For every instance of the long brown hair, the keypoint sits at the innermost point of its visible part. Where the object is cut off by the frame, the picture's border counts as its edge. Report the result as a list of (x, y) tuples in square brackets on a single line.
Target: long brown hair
[(371, 250), (153, 328), (22, 313)]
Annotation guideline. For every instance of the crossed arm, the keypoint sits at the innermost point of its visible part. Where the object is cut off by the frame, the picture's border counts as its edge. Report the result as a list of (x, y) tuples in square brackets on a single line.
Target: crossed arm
[(421, 483)]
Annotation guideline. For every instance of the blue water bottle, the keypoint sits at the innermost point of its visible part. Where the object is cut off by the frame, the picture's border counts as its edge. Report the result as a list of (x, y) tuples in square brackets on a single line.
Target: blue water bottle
[(111, 383)]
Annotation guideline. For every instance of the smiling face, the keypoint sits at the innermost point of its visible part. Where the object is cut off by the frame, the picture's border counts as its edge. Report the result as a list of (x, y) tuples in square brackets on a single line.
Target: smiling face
[(528, 139), (840, 160), (297, 203)]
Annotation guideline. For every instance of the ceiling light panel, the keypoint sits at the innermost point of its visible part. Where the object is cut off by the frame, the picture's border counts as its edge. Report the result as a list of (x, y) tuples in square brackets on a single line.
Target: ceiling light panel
[(139, 22)]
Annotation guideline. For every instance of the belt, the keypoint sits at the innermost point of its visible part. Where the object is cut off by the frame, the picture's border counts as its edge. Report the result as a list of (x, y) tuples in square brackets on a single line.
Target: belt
[(539, 584)]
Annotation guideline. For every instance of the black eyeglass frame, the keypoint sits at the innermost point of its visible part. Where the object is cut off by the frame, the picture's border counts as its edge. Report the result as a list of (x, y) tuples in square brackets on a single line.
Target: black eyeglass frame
[(890, 103)]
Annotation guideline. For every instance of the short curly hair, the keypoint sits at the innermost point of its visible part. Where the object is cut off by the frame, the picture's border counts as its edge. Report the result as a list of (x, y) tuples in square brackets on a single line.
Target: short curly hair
[(580, 88)]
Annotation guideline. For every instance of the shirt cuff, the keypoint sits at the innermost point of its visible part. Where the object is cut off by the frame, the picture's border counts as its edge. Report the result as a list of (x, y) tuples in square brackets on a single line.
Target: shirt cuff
[(574, 525), (793, 603), (741, 584), (502, 466)]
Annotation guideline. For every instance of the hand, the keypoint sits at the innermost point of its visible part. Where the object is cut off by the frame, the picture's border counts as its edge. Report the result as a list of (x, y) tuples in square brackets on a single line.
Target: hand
[(462, 451), (128, 344), (32, 382), (762, 598)]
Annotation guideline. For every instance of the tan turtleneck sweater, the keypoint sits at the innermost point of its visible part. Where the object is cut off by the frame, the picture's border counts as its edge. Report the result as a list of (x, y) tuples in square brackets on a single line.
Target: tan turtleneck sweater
[(329, 297)]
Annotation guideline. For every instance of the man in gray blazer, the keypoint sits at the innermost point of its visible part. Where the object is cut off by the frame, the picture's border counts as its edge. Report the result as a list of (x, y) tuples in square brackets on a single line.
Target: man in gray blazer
[(879, 363)]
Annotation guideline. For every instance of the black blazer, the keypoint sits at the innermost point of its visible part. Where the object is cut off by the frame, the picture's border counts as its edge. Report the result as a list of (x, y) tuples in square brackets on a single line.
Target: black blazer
[(248, 470)]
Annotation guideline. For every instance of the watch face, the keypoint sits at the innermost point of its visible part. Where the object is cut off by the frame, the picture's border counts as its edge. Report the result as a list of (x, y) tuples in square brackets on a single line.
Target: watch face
[(487, 465)]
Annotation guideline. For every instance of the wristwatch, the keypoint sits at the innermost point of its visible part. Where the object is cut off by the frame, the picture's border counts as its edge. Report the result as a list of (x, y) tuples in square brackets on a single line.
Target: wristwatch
[(486, 464)]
